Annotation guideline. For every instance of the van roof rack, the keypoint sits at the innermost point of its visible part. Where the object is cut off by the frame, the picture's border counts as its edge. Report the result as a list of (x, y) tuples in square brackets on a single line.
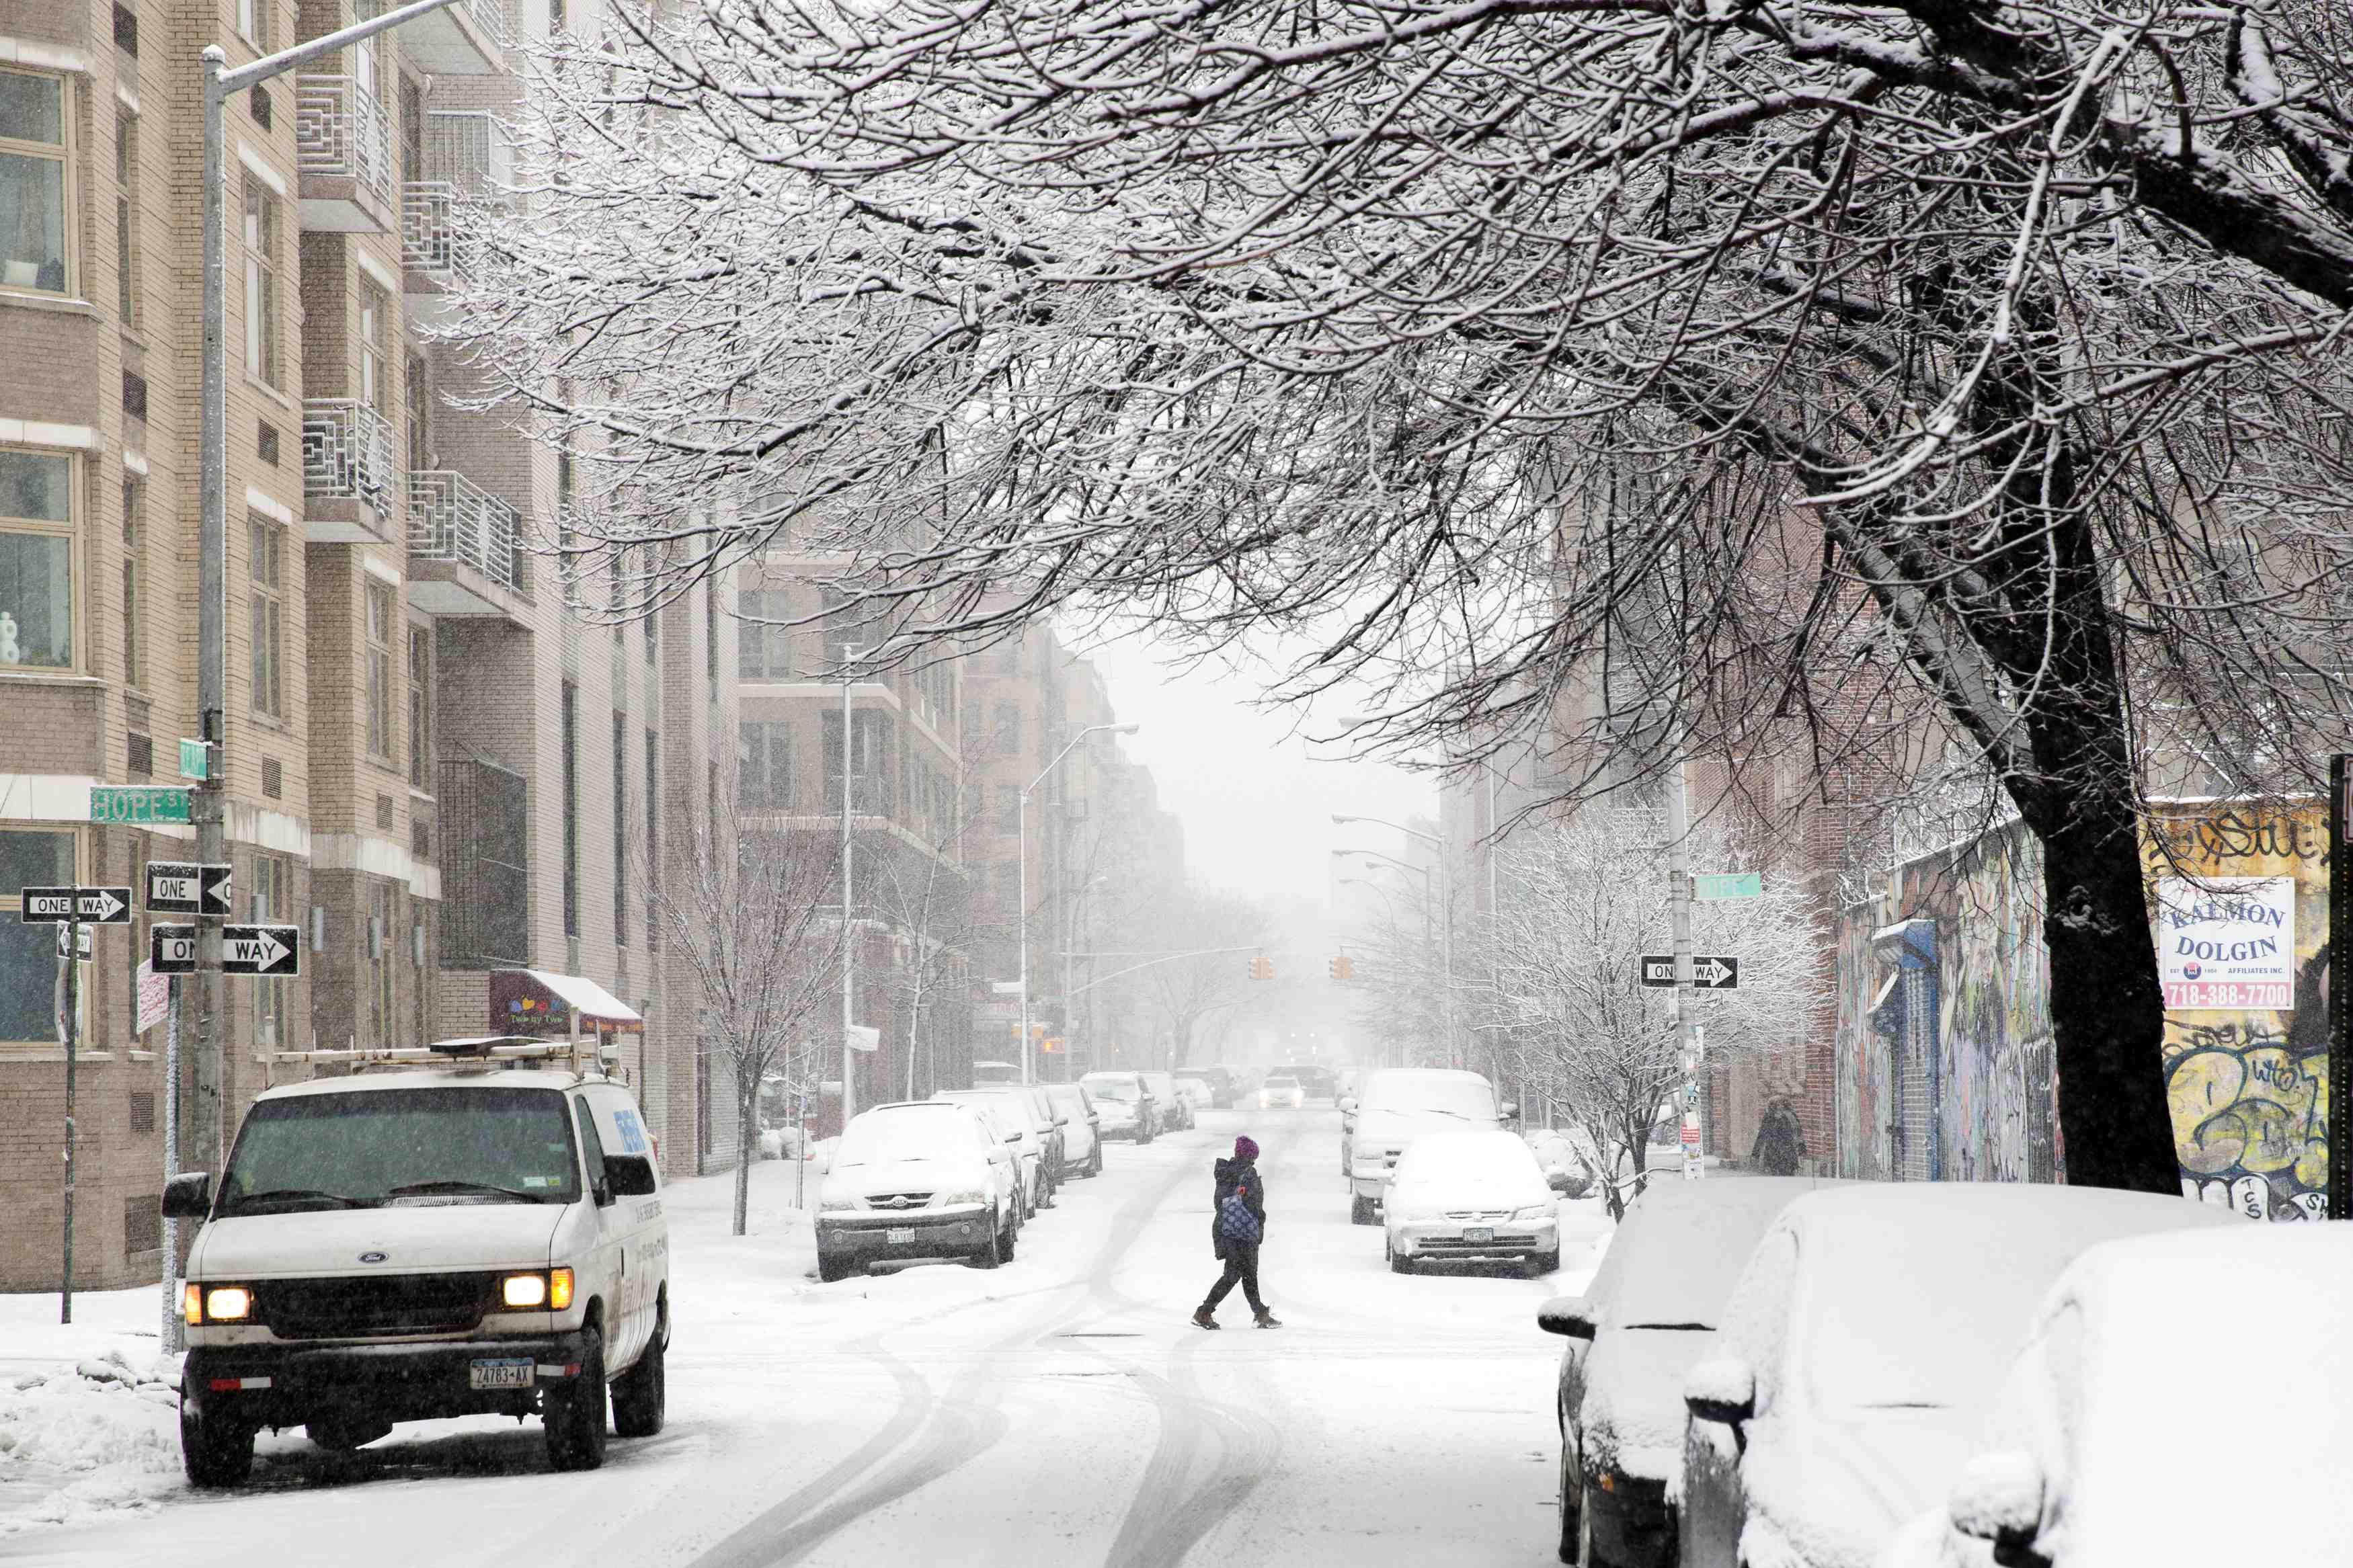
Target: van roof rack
[(585, 1057)]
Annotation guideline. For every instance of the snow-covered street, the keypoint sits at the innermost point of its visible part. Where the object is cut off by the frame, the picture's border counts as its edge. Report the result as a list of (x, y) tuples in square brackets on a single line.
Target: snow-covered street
[(1058, 1410)]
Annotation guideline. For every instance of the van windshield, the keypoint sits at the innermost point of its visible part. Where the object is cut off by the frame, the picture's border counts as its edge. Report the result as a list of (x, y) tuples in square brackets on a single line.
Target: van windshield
[(374, 1147), (1467, 1098)]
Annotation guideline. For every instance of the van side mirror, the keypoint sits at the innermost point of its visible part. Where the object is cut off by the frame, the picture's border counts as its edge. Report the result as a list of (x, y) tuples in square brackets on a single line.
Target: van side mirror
[(1998, 1498), (1567, 1316), (1722, 1389), (188, 1196), (629, 1176)]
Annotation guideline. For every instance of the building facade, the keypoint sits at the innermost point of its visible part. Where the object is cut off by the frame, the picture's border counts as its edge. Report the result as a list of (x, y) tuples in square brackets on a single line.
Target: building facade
[(431, 766)]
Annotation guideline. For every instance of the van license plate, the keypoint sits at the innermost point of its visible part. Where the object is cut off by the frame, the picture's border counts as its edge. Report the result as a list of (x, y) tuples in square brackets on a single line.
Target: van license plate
[(1478, 1233), (501, 1373), (899, 1234)]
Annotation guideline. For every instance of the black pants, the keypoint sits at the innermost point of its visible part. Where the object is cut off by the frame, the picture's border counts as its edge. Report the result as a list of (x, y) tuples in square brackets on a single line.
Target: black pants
[(1241, 1266)]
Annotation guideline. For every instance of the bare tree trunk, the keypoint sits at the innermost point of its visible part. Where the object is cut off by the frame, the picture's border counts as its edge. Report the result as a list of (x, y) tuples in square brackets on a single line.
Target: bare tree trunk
[(747, 1143)]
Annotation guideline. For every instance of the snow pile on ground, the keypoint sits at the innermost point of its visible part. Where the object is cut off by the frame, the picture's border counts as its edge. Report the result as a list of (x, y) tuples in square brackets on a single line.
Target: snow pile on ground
[(98, 1434)]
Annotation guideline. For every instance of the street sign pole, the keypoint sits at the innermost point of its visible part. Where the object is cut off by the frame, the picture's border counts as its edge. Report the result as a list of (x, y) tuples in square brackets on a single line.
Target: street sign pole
[(170, 1323), (69, 984), (1679, 918), (2340, 1011)]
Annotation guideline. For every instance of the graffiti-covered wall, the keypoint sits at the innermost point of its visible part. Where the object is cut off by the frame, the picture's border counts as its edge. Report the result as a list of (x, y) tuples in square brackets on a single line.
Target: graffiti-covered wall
[(2242, 945), (1943, 993)]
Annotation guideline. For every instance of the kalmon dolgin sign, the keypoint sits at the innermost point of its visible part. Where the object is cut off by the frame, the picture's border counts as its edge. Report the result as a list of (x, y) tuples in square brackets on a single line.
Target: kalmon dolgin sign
[(2226, 943)]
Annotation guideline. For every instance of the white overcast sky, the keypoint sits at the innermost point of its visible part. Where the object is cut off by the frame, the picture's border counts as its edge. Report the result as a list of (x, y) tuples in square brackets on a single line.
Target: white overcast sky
[(1255, 798)]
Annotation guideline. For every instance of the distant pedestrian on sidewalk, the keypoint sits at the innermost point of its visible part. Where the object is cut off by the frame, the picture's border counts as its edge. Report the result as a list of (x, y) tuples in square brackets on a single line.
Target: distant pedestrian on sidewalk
[(1236, 1225)]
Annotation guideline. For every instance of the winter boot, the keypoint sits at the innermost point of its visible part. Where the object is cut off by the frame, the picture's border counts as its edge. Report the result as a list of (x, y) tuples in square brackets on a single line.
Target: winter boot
[(1204, 1318), (1267, 1319)]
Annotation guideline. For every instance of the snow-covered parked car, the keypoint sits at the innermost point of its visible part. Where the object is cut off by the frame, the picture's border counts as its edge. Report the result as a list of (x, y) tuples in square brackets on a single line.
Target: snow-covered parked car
[(1400, 1105), (1471, 1197), (1176, 1111), (2070, 1471), (913, 1181), (1557, 1152), (1082, 1128), (483, 1236), (1016, 1115), (1860, 1352), (1125, 1103), (1649, 1315)]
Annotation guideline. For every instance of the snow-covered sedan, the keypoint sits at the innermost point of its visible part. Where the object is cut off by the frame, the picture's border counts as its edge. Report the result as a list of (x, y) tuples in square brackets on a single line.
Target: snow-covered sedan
[(2090, 1421), (1035, 1146), (1125, 1103), (1082, 1128), (1861, 1350), (913, 1181), (1650, 1314), (1473, 1196)]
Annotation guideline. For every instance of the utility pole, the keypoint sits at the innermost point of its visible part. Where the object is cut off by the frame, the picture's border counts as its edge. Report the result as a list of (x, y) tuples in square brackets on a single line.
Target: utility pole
[(207, 800), (2341, 1010), (848, 930), (1694, 1136), (69, 1017)]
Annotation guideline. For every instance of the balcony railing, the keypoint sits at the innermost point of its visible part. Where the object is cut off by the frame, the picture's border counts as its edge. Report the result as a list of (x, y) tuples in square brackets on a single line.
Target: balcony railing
[(429, 237), (450, 517), (341, 132), (348, 453)]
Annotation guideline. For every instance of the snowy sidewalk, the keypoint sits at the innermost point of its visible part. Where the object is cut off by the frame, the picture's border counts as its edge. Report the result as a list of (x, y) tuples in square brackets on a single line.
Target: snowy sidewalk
[(88, 1411)]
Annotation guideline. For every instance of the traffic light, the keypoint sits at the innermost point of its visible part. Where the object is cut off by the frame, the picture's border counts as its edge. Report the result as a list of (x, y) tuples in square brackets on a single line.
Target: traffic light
[(1261, 969), (1343, 968)]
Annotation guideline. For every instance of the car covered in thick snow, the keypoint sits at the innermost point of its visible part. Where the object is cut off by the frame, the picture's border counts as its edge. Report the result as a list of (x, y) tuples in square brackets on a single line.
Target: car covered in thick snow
[(1224, 1084), (1397, 1105), (2071, 1469), (1175, 1110), (480, 1235), (1126, 1103), (914, 1181), (1648, 1316), (1017, 1109), (1471, 1197), (1082, 1128), (1861, 1350)]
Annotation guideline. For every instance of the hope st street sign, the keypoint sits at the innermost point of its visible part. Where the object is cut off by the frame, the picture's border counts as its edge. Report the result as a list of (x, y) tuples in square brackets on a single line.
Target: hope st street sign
[(1715, 885), (138, 803)]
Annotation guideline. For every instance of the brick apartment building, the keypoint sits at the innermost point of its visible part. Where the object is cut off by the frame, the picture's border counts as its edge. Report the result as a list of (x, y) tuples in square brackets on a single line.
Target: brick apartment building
[(431, 766)]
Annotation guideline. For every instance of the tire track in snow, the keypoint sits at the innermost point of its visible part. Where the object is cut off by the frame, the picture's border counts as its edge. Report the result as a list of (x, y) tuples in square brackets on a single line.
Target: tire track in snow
[(956, 1427)]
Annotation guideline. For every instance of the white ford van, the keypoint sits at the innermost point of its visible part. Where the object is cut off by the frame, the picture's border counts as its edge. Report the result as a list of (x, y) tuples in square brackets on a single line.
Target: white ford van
[(1399, 1105), (480, 1232)]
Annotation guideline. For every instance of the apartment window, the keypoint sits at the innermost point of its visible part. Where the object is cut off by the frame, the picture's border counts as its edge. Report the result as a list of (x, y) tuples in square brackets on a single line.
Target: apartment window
[(253, 19), (265, 563), (415, 390), (711, 633), (126, 218), (376, 328), (563, 499), (271, 898), (134, 583), (1008, 809), (620, 830), (380, 962), (763, 651), (571, 809), (34, 181), (261, 356), (1009, 729), (379, 670), (420, 707), (767, 764), (29, 965), (37, 559), (653, 840), (871, 760)]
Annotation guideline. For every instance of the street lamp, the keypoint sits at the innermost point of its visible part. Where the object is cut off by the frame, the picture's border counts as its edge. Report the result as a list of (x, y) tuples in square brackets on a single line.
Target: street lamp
[(1442, 892), (1340, 821), (1028, 1050)]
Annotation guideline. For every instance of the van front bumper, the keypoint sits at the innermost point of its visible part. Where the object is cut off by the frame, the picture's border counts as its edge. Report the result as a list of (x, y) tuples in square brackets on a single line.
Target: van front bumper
[(289, 1384)]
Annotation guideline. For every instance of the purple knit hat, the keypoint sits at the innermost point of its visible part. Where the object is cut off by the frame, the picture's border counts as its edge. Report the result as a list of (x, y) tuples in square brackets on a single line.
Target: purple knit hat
[(1245, 1148)]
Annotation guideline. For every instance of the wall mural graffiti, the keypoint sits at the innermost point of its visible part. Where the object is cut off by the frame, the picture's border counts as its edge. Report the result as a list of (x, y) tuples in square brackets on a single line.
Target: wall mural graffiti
[(2247, 1088)]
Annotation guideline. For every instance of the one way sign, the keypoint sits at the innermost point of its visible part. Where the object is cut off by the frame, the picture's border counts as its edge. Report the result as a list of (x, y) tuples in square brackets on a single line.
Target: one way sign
[(1709, 972), (268, 951), (187, 888)]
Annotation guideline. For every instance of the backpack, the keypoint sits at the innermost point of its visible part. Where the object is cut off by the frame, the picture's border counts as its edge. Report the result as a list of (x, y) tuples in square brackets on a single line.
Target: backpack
[(1235, 1221)]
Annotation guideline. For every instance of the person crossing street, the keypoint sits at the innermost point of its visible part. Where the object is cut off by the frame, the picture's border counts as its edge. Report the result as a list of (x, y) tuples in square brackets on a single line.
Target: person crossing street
[(1237, 1226)]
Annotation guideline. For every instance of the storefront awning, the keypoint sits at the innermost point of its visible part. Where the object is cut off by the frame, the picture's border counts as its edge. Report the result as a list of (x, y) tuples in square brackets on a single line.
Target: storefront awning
[(535, 1002)]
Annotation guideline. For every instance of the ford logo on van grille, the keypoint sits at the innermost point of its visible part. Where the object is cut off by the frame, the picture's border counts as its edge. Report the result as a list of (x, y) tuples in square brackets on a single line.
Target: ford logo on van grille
[(374, 1257)]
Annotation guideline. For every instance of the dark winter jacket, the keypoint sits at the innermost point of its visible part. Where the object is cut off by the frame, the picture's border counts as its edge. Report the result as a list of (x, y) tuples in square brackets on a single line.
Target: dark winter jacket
[(1238, 1176)]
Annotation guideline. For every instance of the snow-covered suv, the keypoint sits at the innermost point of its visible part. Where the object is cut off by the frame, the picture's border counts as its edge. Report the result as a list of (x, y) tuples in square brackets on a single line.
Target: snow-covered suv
[(480, 1235)]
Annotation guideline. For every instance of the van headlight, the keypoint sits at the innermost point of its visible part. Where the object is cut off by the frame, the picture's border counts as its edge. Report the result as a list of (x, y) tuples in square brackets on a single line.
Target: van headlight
[(539, 1290), (202, 1304)]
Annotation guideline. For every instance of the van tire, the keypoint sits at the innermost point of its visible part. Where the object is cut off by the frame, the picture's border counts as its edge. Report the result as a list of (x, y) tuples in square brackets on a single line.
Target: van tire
[(640, 1392), (215, 1450), (574, 1415)]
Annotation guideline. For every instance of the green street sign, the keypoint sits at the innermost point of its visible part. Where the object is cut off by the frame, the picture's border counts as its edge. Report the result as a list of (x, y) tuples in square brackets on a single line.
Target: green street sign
[(192, 760), (138, 803), (1728, 885)]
